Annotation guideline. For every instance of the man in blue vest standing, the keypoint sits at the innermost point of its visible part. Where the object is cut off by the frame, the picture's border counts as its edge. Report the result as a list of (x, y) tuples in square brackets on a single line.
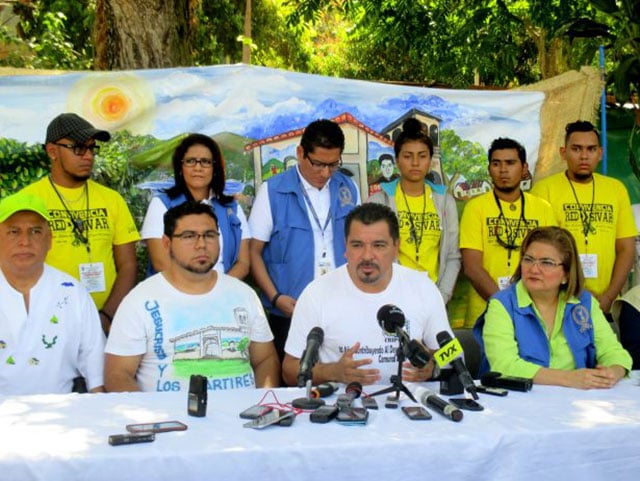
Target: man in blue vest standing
[(297, 224)]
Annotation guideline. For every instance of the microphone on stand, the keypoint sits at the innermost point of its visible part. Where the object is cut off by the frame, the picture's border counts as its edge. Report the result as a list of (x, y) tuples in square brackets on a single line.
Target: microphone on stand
[(451, 352), (392, 320), (305, 375)]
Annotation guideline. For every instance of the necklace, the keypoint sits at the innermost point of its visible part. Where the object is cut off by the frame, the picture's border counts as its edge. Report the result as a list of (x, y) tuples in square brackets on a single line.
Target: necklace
[(512, 235), (414, 237), (76, 222), (585, 217)]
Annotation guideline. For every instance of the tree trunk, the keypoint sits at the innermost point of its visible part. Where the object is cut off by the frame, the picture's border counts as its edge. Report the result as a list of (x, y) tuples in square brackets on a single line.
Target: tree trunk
[(137, 34)]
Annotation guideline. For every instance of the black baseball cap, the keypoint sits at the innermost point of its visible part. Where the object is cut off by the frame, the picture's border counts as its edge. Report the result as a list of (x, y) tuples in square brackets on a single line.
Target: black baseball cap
[(74, 127)]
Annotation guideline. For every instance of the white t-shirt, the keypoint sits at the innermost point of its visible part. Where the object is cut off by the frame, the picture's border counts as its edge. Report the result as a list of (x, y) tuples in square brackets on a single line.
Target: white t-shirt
[(181, 334), (59, 338), (261, 221), (153, 226), (348, 315)]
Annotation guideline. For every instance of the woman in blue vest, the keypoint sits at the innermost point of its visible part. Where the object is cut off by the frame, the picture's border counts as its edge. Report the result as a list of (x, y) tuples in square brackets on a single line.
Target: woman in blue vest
[(544, 326), (198, 169)]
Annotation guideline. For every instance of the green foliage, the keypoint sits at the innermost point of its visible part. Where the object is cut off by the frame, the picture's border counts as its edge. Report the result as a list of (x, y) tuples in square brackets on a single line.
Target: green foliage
[(50, 35), (20, 164)]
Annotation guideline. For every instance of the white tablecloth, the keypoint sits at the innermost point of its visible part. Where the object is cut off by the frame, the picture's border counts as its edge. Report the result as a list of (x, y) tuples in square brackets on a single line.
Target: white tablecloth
[(548, 433)]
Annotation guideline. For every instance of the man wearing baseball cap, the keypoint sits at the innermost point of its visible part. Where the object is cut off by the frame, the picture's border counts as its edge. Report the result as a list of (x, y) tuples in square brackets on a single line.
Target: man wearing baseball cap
[(49, 326), (94, 234)]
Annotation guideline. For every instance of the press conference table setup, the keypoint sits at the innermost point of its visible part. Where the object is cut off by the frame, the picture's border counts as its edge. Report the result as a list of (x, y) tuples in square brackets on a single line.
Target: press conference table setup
[(546, 433)]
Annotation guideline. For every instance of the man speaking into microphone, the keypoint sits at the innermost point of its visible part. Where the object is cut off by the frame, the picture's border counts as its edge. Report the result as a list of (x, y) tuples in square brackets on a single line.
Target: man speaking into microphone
[(345, 302)]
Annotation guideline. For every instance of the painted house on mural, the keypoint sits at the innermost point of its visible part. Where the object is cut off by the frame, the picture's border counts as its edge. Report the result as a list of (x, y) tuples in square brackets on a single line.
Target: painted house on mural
[(433, 125), (276, 153)]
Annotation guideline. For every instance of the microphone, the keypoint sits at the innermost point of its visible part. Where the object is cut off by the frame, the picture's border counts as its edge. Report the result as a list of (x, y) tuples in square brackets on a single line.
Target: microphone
[(391, 319), (432, 400), (310, 355), (444, 338), (351, 392), (325, 389)]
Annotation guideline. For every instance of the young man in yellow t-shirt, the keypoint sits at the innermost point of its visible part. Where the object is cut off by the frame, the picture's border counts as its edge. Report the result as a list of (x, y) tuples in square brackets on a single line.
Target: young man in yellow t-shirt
[(596, 210), (94, 234), (494, 224)]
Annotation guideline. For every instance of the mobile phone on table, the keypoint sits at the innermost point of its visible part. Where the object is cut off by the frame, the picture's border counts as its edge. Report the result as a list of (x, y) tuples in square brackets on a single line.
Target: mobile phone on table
[(122, 439), (161, 427), (275, 416), (392, 402), (369, 402), (352, 416), (323, 414), (255, 411), (416, 413), (466, 404), (494, 391)]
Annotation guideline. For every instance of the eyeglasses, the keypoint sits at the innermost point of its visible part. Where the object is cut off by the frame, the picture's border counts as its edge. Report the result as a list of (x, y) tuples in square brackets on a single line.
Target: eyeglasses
[(545, 264), (317, 165), (192, 237), (80, 149), (192, 161)]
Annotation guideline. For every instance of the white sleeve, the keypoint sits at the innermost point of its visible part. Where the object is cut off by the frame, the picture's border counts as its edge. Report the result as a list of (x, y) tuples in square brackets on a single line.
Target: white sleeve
[(153, 225), (91, 349), (260, 330), (244, 225), (128, 336), (260, 220)]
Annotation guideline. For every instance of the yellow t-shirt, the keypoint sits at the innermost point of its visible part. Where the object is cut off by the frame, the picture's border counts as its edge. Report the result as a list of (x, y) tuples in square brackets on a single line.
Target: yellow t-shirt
[(106, 222), (481, 228), (611, 218), (422, 215)]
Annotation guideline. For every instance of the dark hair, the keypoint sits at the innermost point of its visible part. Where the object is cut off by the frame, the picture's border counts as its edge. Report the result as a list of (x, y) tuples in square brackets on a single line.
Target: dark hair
[(384, 157), (322, 133), (564, 242), (502, 143), (370, 213), (413, 130), (179, 211), (218, 176), (579, 126)]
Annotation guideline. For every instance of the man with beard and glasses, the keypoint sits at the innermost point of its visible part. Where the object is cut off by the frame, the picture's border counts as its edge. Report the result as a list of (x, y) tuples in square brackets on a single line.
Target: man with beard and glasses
[(596, 210), (190, 319), (494, 224), (345, 303), (94, 235)]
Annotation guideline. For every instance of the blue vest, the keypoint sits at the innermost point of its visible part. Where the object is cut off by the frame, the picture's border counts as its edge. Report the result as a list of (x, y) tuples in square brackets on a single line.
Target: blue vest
[(533, 344), (289, 254), (228, 224)]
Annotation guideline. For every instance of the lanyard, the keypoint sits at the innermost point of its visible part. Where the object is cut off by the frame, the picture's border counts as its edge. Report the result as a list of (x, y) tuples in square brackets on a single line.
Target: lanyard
[(414, 238), (510, 245), (584, 217), (315, 216), (78, 224)]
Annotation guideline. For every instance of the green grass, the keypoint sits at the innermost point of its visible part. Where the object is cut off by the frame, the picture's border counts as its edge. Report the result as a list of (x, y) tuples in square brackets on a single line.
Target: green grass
[(210, 367)]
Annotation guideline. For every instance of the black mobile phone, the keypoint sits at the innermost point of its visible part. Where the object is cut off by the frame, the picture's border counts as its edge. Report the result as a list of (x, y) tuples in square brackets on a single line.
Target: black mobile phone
[(323, 414), (494, 391), (197, 405), (417, 413), (122, 439), (352, 416), (465, 403), (369, 402), (255, 411), (392, 402), (161, 427)]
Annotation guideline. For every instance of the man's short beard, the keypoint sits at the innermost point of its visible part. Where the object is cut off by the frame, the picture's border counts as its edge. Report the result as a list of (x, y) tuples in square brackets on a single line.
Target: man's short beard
[(507, 190), (580, 176)]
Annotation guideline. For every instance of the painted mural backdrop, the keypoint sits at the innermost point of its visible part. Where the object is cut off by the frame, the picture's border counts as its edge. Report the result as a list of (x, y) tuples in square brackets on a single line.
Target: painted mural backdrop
[(257, 116)]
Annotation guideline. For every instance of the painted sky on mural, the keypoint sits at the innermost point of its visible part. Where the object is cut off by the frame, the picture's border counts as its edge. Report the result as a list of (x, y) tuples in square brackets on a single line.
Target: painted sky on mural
[(255, 102)]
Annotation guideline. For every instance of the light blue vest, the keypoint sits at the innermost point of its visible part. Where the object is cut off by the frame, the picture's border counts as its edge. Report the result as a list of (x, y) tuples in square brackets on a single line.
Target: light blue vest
[(228, 224), (289, 254), (533, 344)]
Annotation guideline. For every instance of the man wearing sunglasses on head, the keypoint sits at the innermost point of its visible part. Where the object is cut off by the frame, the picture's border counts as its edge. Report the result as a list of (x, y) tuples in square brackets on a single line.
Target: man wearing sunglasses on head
[(494, 224), (94, 234), (297, 224)]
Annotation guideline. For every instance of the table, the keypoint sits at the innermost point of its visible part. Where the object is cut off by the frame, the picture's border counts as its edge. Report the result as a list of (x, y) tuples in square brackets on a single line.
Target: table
[(546, 434)]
